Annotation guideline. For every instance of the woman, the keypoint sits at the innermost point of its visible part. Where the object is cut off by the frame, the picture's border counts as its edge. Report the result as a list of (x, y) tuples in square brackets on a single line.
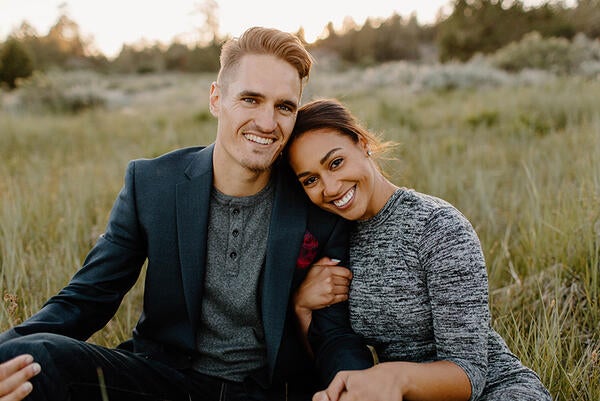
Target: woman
[(419, 288)]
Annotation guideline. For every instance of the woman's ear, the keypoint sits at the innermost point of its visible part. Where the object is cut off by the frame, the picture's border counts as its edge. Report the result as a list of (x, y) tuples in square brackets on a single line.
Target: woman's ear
[(365, 146)]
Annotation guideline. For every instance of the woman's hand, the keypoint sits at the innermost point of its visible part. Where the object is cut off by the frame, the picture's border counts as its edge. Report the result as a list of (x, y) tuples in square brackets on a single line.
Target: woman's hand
[(325, 284), (374, 384), (14, 376), (394, 381)]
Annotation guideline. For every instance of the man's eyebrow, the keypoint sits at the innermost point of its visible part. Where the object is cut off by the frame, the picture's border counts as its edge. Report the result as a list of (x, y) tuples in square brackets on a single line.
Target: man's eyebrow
[(289, 103), (248, 93), (322, 161)]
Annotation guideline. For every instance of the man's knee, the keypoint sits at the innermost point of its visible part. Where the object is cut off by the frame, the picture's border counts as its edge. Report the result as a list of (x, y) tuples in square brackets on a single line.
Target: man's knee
[(52, 352), (42, 346)]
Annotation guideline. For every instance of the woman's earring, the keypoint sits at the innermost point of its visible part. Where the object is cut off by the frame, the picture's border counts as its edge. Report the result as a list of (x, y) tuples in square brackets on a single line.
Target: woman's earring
[(369, 153)]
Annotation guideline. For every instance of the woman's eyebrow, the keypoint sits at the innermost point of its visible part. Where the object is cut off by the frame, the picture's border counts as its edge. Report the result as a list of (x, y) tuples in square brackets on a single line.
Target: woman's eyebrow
[(328, 154), (322, 161)]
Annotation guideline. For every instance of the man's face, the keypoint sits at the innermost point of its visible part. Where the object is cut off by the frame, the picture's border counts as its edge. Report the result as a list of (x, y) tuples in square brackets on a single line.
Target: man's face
[(256, 107)]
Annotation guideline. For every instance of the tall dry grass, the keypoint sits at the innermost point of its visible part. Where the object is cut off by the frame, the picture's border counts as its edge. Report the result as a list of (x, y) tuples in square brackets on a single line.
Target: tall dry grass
[(521, 161)]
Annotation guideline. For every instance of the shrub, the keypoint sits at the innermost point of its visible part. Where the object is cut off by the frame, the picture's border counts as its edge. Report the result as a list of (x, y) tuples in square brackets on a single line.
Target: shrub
[(558, 55), (15, 63), (459, 76), (48, 93)]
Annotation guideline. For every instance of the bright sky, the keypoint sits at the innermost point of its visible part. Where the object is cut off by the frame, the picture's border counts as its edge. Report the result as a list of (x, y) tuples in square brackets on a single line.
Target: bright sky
[(113, 22)]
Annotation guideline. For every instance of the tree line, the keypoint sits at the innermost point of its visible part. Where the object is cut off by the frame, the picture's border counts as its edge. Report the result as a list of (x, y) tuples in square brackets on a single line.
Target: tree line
[(473, 26)]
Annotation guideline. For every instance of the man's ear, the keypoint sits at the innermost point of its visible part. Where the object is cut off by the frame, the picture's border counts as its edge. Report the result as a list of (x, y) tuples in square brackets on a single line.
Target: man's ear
[(213, 99)]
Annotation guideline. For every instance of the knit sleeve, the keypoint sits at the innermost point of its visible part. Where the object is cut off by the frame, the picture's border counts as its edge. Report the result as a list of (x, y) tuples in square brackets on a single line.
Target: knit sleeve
[(450, 253)]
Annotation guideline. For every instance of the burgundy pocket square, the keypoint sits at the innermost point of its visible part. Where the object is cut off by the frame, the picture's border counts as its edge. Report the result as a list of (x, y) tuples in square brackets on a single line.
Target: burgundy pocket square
[(308, 251)]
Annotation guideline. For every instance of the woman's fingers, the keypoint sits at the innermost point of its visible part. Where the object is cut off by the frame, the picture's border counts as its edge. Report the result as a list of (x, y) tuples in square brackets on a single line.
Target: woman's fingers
[(325, 284)]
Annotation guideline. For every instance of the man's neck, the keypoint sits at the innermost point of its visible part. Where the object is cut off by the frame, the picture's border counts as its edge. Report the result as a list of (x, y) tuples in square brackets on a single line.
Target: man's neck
[(239, 182)]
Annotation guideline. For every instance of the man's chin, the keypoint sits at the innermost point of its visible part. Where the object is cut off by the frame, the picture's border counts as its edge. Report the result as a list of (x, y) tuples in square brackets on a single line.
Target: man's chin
[(259, 167)]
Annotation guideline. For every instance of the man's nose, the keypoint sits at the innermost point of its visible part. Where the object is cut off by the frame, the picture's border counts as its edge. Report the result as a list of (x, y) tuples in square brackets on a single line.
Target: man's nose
[(265, 120)]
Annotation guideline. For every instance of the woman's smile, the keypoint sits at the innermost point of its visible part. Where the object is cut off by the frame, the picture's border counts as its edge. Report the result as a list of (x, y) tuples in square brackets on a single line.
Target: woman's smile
[(344, 201)]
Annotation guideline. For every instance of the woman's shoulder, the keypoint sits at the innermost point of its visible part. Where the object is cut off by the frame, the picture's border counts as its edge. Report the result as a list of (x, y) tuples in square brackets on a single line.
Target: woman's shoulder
[(421, 205), (425, 212)]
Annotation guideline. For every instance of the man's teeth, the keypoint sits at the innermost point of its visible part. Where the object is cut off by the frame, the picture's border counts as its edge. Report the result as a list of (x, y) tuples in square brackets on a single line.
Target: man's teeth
[(258, 139), (344, 201)]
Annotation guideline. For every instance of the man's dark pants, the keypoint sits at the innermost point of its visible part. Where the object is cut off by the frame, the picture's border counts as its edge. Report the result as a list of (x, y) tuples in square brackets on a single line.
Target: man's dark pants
[(78, 371)]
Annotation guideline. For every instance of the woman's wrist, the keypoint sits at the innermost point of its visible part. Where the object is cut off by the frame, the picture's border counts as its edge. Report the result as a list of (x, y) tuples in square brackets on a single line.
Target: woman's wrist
[(399, 373), (302, 311)]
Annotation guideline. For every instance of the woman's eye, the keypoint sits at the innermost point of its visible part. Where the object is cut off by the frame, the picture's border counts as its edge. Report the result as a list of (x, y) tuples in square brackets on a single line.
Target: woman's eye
[(309, 181), (336, 163)]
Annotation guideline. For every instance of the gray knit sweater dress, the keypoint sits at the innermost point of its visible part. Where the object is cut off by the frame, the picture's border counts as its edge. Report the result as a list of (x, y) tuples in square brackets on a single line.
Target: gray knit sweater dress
[(420, 294)]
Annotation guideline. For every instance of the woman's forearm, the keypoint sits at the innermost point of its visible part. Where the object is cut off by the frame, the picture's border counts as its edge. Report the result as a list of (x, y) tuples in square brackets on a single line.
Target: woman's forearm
[(401, 381), (441, 380), (303, 317)]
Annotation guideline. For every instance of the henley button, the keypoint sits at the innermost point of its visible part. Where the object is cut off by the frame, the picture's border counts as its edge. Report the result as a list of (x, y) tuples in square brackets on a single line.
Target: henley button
[(233, 255), (236, 232)]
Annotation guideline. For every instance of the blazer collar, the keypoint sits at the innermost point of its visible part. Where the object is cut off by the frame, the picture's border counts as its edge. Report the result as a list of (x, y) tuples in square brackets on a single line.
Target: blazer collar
[(202, 164)]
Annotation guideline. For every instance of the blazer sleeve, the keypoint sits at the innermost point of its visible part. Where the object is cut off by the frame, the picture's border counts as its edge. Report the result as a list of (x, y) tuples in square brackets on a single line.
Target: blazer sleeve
[(335, 345), (95, 292)]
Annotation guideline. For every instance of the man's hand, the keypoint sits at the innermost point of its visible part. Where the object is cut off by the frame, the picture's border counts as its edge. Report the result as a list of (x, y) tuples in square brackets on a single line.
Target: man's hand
[(14, 376)]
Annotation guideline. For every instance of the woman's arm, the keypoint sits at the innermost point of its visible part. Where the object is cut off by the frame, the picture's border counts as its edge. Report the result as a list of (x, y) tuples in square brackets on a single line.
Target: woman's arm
[(396, 381), (451, 254)]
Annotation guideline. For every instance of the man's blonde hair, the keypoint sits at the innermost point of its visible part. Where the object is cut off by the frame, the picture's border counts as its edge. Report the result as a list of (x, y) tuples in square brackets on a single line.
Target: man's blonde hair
[(265, 41)]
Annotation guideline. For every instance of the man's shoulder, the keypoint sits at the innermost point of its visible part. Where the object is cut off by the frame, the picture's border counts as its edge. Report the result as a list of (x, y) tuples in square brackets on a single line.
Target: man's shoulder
[(175, 156), (172, 166)]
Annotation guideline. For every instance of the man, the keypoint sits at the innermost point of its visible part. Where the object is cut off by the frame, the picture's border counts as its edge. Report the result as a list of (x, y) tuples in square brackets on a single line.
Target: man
[(228, 235), (14, 376)]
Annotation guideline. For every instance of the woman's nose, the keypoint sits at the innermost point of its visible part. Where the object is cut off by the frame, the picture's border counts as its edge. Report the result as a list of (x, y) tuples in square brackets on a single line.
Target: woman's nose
[(331, 186)]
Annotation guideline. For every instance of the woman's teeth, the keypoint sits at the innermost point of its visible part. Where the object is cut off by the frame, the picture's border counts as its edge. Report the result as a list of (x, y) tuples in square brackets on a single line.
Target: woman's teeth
[(345, 199)]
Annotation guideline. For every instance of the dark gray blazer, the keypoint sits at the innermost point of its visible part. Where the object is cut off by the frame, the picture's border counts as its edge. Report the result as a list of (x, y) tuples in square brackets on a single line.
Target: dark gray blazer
[(160, 215)]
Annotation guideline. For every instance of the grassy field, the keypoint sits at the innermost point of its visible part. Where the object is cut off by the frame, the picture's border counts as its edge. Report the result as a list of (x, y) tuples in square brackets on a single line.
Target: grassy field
[(520, 158)]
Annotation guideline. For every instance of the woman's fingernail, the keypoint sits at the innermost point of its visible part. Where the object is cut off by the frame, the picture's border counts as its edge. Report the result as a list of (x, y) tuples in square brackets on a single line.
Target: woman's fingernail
[(336, 260)]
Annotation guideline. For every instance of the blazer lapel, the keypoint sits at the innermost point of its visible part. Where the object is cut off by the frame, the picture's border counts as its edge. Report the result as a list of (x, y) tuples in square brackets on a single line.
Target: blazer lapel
[(286, 231), (193, 200)]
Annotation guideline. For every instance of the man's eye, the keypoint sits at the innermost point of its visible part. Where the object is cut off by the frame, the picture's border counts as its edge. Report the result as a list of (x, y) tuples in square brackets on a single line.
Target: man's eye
[(248, 100), (285, 108)]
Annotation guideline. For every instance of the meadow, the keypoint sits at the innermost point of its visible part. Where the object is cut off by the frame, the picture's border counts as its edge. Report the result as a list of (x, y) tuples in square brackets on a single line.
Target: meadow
[(518, 154)]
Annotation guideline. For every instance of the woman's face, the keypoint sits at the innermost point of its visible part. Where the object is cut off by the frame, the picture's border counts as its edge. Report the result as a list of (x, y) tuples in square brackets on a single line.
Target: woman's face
[(336, 173)]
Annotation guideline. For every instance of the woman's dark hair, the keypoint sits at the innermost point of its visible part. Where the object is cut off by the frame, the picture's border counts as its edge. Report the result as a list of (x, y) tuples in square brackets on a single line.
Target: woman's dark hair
[(331, 114)]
